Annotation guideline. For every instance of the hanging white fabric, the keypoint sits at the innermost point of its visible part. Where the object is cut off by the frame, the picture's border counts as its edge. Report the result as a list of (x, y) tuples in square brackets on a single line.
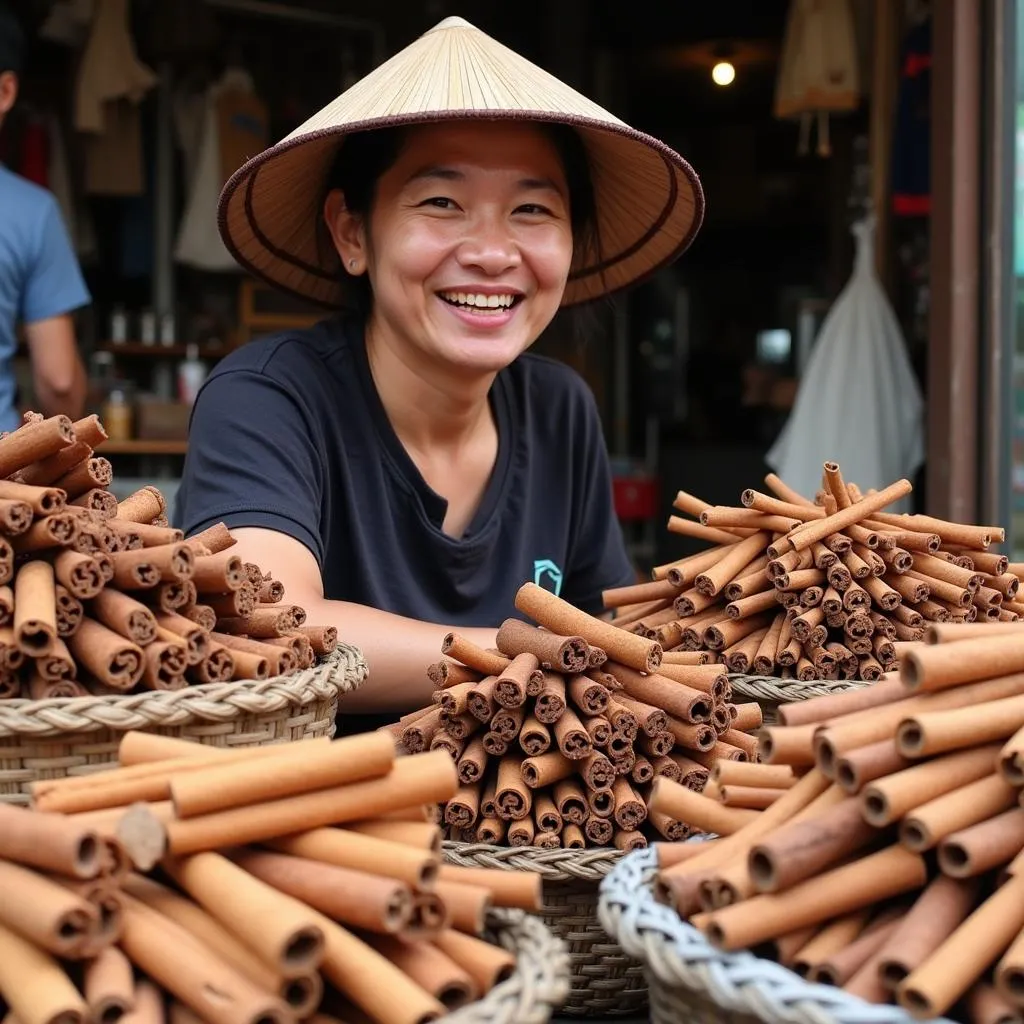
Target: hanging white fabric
[(199, 243), (858, 402)]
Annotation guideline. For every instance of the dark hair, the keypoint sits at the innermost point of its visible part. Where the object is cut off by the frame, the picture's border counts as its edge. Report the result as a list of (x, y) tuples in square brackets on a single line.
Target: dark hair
[(364, 157), (12, 41)]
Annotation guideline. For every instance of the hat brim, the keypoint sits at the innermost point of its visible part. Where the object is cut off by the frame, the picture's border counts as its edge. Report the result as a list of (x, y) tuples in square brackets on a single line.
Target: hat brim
[(648, 200)]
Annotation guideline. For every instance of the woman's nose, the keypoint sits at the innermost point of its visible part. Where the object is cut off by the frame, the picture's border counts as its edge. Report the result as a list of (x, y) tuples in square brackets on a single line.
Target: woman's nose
[(489, 246)]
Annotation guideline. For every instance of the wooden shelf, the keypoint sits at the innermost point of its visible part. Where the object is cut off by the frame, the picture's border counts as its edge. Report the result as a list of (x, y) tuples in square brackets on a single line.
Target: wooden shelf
[(143, 448), (136, 349)]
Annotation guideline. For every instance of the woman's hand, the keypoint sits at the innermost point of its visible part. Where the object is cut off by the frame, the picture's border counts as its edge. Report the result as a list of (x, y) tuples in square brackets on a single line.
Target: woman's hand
[(398, 650)]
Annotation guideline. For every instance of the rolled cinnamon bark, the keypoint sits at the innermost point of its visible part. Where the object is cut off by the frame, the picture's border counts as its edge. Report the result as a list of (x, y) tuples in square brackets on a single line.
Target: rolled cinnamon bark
[(550, 703), (886, 800), (950, 970), (521, 833), (935, 732), (571, 801), (836, 935), (986, 1005), (109, 985), (988, 844), (942, 666), (34, 986), (34, 441), (571, 736), (113, 660), (470, 655), (236, 604), (801, 850), (45, 913), (98, 501), (57, 664), (356, 898), (560, 617), (819, 529), (512, 681), (125, 616), (265, 622), (561, 653), (218, 666), (427, 778), (50, 842), (677, 699), (214, 539), (280, 929), (513, 799), (682, 804), (473, 761), (35, 608), (840, 966), (324, 639), (91, 473), (193, 972), (279, 660), (79, 573), (463, 809), (145, 505), (856, 768), (864, 882)]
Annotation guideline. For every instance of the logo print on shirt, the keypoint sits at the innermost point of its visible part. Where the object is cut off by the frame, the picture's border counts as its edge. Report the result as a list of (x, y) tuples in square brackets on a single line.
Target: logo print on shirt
[(547, 575)]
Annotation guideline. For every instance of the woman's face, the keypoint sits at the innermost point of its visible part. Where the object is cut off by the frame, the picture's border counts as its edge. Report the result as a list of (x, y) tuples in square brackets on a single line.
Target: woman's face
[(468, 245)]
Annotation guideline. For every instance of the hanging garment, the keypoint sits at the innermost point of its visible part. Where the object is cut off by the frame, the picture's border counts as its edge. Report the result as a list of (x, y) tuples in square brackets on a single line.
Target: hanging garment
[(818, 73), (234, 128), (111, 84), (858, 403), (911, 140)]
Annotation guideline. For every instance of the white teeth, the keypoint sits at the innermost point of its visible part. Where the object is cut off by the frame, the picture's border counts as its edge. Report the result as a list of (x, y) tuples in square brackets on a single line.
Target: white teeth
[(478, 300)]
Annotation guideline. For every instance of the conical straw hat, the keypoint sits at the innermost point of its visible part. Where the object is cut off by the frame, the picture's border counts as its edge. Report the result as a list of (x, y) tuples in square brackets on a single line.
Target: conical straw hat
[(648, 199)]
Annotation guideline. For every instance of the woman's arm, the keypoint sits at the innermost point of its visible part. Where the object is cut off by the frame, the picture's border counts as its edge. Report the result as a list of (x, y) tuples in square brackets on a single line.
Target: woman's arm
[(398, 650)]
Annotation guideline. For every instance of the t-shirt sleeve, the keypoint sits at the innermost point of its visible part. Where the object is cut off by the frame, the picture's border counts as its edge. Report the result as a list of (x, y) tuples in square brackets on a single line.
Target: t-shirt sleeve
[(253, 461), (598, 558), (54, 284)]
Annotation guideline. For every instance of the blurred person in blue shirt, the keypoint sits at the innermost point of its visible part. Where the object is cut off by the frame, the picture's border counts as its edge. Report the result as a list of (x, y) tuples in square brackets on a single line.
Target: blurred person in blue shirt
[(40, 280)]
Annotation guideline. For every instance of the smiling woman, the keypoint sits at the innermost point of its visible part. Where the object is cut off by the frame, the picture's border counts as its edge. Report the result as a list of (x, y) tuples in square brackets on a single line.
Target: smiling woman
[(406, 465)]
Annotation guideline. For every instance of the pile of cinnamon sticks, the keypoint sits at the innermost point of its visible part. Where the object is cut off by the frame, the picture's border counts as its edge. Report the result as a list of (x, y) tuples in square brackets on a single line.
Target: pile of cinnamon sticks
[(889, 856), (99, 596), (822, 589), (256, 906), (559, 731)]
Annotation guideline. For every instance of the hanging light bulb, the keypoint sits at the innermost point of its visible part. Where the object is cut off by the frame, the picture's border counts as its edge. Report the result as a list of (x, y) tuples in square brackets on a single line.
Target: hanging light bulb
[(723, 73)]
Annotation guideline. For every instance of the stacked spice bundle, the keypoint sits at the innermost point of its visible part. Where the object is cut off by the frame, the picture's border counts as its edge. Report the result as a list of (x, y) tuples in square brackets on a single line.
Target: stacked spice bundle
[(818, 590), (262, 910), (99, 597), (558, 733), (890, 859)]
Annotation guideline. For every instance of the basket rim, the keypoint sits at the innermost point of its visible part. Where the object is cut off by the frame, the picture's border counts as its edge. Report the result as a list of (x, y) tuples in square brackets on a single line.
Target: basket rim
[(591, 864), (341, 671), (539, 985), (679, 957), (783, 691)]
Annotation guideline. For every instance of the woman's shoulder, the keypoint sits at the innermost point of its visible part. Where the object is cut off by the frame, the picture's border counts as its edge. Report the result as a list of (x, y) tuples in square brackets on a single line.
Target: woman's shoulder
[(294, 357), (548, 390)]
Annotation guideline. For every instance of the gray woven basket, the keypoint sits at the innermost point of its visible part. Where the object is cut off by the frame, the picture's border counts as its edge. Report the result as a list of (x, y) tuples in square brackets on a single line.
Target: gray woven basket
[(690, 980), (604, 981), (540, 983), (770, 692), (51, 739)]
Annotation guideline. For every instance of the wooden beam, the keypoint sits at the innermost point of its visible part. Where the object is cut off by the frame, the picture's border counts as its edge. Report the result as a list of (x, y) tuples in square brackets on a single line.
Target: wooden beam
[(884, 83), (953, 349)]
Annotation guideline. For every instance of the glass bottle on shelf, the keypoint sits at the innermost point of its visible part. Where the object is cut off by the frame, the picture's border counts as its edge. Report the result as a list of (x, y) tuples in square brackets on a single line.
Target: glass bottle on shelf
[(117, 414)]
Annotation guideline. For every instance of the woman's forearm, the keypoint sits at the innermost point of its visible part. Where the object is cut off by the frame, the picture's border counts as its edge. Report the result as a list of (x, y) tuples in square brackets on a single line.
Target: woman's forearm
[(397, 650)]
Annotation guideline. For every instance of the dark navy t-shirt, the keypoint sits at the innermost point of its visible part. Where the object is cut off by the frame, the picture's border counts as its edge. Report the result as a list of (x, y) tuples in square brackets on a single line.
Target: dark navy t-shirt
[(289, 434)]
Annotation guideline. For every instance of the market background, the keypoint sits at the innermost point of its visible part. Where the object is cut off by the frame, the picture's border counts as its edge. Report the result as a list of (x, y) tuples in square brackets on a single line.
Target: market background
[(698, 370)]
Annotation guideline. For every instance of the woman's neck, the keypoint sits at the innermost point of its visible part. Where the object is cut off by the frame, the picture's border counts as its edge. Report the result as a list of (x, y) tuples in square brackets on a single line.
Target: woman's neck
[(426, 408)]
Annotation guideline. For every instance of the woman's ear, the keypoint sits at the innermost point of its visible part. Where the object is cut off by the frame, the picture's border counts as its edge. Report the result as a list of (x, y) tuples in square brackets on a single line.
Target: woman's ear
[(347, 232)]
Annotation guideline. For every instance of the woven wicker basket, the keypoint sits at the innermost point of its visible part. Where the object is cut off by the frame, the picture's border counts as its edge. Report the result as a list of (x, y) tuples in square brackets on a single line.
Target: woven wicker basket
[(690, 980), (49, 739), (770, 692), (539, 984), (603, 980)]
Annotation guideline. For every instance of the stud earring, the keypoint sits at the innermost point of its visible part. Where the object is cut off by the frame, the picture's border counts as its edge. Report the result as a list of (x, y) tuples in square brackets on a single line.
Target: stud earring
[(352, 264)]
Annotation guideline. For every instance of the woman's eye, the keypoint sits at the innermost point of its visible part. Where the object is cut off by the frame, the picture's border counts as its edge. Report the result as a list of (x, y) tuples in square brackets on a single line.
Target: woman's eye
[(533, 208), (439, 202)]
